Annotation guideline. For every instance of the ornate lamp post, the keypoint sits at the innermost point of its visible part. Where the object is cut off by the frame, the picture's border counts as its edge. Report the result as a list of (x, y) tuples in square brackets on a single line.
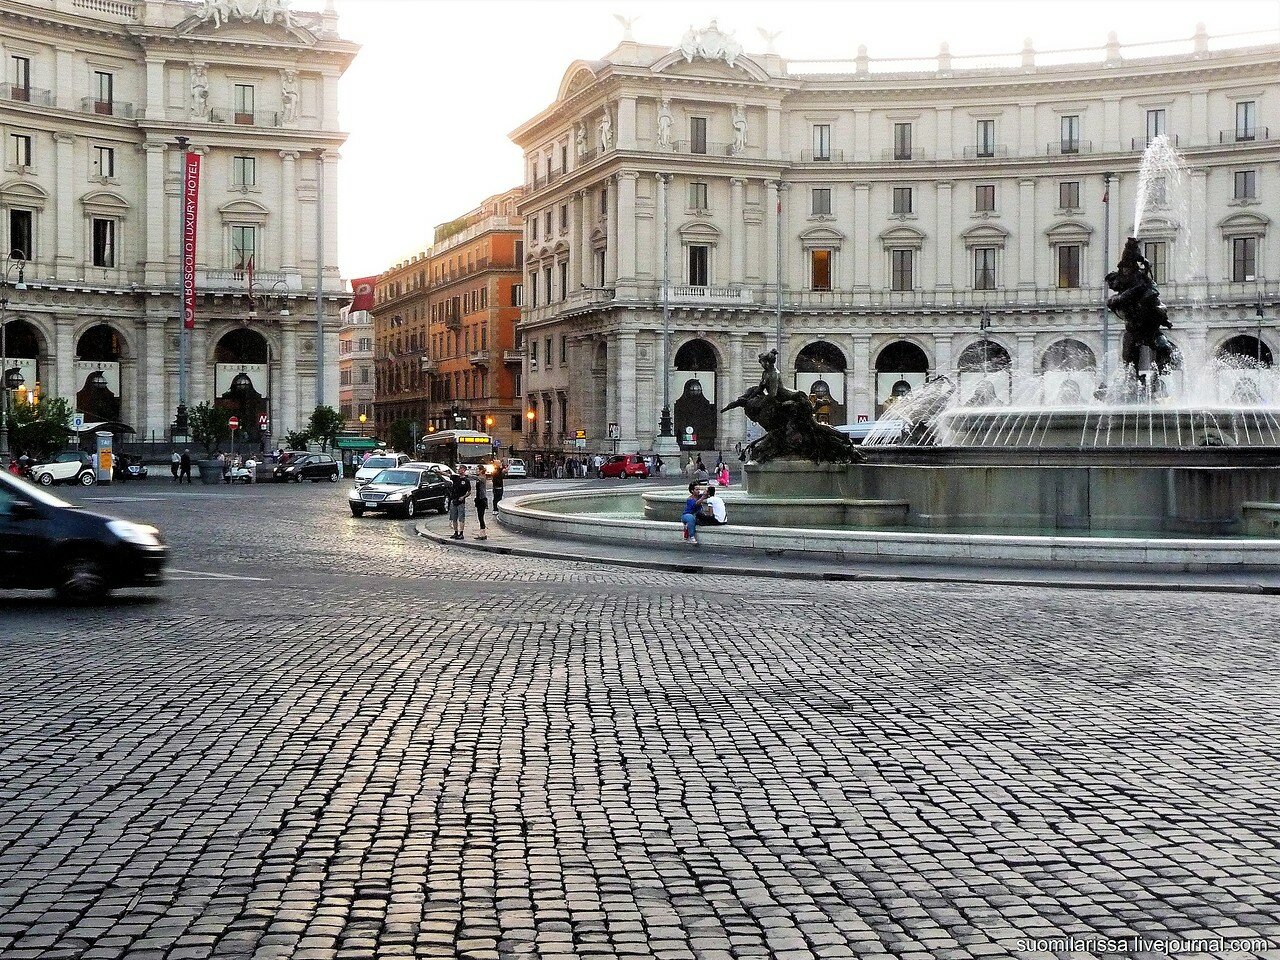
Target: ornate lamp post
[(13, 379)]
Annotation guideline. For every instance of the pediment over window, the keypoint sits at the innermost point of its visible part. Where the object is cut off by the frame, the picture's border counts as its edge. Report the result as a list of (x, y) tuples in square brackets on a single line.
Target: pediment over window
[(580, 75), (244, 211), (598, 237), (22, 193), (1158, 228), (985, 235), (1244, 224), (900, 237), (675, 64), (105, 201), (699, 231), (561, 247), (1069, 231), (243, 31), (822, 238)]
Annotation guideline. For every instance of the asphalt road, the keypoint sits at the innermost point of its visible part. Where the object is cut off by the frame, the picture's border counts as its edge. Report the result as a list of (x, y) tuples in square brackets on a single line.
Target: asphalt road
[(326, 737)]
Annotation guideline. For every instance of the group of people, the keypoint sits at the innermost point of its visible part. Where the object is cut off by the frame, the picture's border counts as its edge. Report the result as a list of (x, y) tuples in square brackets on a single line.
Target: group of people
[(704, 505), (232, 466), (697, 471), (488, 479), (180, 466)]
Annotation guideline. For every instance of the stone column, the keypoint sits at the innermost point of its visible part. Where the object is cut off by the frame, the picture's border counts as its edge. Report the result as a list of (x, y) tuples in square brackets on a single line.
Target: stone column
[(157, 418), (330, 238), (611, 238), (201, 385), (861, 239), (66, 254), (737, 233), (735, 423), (329, 109), (577, 275), (1027, 241), (1024, 362), (156, 265), (862, 396), (288, 211), (611, 384), (946, 239), (626, 123), (942, 355), (1200, 271), (770, 252), (64, 382), (289, 363), (773, 133), (626, 390), (625, 231), (155, 90)]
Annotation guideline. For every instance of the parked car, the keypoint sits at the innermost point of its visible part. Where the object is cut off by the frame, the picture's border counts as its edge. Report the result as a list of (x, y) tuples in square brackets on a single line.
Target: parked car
[(625, 465), (403, 490), (312, 466), (46, 543), (516, 468), (74, 466), (375, 465)]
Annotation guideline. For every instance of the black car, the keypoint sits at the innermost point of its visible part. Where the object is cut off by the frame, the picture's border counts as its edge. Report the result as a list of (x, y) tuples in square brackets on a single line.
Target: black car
[(401, 490), (46, 543), (307, 466)]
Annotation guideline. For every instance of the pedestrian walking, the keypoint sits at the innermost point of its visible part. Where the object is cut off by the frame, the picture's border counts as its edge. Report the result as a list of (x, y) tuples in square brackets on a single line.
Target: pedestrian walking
[(657, 464), (175, 463), (482, 501), (497, 486), (458, 502), (184, 467)]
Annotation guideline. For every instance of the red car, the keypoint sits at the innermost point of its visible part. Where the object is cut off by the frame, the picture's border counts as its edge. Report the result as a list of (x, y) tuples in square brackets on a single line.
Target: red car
[(624, 466)]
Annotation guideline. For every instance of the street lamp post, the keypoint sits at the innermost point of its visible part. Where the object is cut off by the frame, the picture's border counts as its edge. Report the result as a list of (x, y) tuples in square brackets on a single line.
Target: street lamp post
[(17, 380), (1260, 319), (984, 324), (1106, 266)]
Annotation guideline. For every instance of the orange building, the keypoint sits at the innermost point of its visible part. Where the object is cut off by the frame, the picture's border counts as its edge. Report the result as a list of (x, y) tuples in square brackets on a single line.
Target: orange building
[(444, 328)]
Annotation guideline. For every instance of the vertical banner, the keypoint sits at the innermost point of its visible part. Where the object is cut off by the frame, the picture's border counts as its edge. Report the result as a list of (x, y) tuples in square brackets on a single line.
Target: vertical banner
[(190, 207)]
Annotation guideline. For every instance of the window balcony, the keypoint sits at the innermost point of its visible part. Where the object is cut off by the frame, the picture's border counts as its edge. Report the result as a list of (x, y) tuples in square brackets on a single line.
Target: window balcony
[(258, 118), (1068, 148), (478, 358), (428, 365), (1248, 135), (829, 156), (708, 149), (41, 98), (106, 108), (513, 358), (904, 156), (216, 281), (1139, 144), (453, 321), (710, 295), (988, 152)]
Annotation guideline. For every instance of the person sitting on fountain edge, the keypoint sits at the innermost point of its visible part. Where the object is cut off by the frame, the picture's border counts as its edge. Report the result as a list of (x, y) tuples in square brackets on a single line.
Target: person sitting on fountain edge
[(690, 517), (712, 509)]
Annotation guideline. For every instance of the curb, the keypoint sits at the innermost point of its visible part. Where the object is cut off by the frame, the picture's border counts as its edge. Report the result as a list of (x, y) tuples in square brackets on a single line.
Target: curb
[(729, 570)]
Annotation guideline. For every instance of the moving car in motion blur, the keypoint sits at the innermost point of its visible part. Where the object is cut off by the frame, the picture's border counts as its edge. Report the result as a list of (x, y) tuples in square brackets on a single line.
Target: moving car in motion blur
[(401, 490), (46, 543), (74, 466)]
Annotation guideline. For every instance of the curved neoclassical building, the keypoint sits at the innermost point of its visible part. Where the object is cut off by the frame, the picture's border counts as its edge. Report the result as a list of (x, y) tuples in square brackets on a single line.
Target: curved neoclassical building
[(911, 209), (94, 96)]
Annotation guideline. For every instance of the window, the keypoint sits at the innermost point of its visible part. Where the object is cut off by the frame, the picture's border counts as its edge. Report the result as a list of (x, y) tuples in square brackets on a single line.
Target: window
[(1069, 266), (820, 268), (564, 158), (564, 280), (244, 171), (697, 196), (1246, 185), (604, 201), (699, 265), (244, 241), (902, 141), (546, 223), (822, 141), (822, 201), (20, 149), (519, 259), (517, 295), (103, 92), (984, 268), (1157, 254), (546, 283), (600, 268), (104, 242), (22, 233), (547, 352), (902, 263), (984, 198), (901, 200), (1244, 259), (244, 103), (564, 348), (1070, 133), (1069, 194), (1156, 120), (533, 229), (104, 161), (533, 289), (533, 354), (986, 138), (20, 78), (564, 218), (1246, 120), (364, 375), (697, 134)]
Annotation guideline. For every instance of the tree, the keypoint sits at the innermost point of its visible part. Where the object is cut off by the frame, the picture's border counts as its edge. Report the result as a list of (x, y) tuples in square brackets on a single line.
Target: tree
[(296, 440), (40, 430), (400, 436), (324, 426), (209, 427)]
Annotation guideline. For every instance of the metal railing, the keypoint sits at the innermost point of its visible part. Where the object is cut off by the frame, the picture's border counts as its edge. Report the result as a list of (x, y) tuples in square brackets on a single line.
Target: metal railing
[(1068, 148), (32, 95), (709, 149), (978, 152), (515, 357), (1252, 135), (1141, 143), (915, 153), (478, 358), (708, 294), (106, 108), (829, 156), (256, 118)]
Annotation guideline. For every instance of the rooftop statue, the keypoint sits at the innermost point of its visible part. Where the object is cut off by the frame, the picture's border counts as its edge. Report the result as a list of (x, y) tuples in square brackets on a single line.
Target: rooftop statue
[(792, 429), (710, 44)]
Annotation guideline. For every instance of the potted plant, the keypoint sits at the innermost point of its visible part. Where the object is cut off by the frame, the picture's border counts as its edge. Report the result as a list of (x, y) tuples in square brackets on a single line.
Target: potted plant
[(209, 428)]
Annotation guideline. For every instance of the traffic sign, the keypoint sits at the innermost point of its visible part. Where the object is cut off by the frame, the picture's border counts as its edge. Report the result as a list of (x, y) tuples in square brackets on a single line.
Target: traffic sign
[(262, 421), (77, 422), (234, 423), (615, 432)]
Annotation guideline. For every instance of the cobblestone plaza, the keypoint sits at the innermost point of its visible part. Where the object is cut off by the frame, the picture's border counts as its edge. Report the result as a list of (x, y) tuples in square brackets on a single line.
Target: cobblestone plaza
[(331, 738)]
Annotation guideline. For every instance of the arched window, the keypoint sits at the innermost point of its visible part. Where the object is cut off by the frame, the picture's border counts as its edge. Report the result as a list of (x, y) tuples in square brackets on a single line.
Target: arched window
[(983, 356), (1246, 347), (1068, 355)]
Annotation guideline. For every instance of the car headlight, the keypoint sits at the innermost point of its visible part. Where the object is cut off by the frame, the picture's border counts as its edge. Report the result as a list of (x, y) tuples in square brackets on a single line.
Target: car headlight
[(290, 469), (136, 533), (397, 496), (354, 494)]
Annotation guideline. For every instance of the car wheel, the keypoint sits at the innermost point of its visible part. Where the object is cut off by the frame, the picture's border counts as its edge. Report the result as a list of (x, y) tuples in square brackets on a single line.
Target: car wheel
[(333, 478), (298, 478), (357, 511), (45, 479), (83, 579), (88, 478), (410, 510), (444, 505)]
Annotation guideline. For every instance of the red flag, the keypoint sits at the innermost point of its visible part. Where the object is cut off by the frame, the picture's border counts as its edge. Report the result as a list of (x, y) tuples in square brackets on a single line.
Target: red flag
[(363, 290), (1106, 194), (190, 210)]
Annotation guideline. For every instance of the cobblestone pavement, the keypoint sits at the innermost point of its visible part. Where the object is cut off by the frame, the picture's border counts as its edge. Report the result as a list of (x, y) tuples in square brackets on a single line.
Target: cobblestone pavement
[(333, 739)]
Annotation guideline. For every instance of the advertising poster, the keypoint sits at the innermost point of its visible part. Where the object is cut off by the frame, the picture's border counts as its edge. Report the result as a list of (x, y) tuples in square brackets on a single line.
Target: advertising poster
[(242, 389), (98, 390), (891, 386), (693, 409), (826, 393)]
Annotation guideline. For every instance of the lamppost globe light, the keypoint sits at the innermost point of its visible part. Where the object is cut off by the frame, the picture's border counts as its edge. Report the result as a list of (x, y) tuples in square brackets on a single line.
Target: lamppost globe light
[(530, 416)]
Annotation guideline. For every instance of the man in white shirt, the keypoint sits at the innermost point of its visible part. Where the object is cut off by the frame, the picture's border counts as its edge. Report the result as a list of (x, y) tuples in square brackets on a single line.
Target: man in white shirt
[(712, 510)]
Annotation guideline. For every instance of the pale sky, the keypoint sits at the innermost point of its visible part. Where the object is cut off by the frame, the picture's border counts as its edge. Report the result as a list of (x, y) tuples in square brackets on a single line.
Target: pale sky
[(439, 84)]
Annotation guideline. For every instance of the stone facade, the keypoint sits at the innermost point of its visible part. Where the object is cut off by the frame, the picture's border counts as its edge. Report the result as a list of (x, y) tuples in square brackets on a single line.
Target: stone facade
[(912, 207), (95, 94)]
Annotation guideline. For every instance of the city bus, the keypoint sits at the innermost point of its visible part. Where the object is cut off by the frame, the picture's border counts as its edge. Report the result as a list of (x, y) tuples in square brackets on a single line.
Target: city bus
[(453, 447)]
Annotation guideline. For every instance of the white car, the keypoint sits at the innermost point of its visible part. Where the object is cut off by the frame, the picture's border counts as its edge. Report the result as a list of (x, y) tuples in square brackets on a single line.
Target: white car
[(375, 465), (515, 468), (441, 468), (74, 466)]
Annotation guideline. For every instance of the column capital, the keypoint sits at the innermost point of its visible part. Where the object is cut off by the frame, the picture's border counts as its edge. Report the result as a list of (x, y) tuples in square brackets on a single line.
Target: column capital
[(288, 156), (737, 181), (631, 175), (155, 146), (64, 138)]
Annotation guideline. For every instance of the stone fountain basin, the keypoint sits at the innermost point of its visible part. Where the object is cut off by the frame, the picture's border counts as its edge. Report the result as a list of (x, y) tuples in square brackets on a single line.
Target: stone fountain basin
[(1120, 425)]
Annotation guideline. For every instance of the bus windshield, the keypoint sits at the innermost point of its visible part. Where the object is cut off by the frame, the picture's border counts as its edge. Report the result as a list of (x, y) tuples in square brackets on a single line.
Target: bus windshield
[(456, 446)]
